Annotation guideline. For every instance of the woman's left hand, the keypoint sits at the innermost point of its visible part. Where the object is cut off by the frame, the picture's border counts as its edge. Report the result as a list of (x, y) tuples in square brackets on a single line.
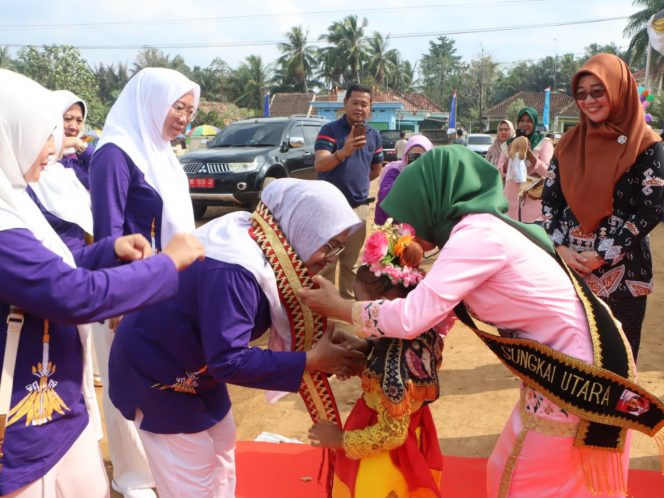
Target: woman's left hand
[(591, 259), (326, 300), (132, 247), (326, 434)]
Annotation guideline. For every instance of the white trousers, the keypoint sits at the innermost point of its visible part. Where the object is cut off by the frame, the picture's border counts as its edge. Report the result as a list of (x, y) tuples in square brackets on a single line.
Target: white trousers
[(130, 465), (201, 464), (79, 473)]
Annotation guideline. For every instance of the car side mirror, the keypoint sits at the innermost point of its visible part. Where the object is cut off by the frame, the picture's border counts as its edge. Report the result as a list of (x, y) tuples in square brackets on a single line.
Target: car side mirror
[(296, 142)]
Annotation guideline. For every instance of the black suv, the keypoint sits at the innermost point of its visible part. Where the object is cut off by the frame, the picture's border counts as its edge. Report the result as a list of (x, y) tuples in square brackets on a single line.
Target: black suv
[(245, 155), (389, 138)]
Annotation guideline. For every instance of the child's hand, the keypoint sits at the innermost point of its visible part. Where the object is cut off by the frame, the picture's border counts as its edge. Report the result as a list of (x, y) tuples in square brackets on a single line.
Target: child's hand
[(326, 434)]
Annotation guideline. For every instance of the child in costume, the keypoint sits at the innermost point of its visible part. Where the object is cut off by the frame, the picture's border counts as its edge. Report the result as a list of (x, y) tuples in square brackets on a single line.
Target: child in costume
[(389, 445)]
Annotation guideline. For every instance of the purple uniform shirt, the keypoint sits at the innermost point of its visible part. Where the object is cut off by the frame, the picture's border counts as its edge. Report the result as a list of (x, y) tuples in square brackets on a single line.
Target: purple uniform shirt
[(380, 216), (80, 163), (70, 233), (173, 360), (122, 201), (39, 282)]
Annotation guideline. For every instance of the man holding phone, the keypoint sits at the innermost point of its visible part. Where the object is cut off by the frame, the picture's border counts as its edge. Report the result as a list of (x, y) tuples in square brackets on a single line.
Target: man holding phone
[(349, 154)]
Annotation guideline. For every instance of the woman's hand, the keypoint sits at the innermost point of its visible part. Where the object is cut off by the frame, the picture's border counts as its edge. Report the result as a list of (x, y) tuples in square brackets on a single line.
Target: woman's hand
[(326, 434), (591, 259), (332, 358), (184, 249), (326, 300), (574, 260), (74, 142), (350, 342), (132, 247)]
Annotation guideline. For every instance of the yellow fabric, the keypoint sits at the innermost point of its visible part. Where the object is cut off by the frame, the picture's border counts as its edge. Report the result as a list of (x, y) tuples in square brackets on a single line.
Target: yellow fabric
[(386, 434)]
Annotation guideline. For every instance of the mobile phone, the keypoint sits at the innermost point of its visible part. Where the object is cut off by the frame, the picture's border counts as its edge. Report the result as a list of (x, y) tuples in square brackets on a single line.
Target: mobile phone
[(359, 130), (520, 132)]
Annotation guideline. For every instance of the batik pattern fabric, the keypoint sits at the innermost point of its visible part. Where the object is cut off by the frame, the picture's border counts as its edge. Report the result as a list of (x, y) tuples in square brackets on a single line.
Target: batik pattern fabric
[(621, 239), (390, 431)]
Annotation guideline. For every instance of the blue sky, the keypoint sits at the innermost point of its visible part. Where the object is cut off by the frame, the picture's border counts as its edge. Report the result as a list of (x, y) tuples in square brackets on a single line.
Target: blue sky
[(236, 25)]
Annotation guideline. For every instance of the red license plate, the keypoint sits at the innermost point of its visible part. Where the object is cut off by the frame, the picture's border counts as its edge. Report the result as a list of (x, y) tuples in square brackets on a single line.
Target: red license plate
[(201, 182)]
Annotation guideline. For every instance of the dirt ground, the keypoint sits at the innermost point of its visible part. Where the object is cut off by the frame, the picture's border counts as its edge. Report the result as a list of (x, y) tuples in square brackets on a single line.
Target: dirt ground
[(477, 391)]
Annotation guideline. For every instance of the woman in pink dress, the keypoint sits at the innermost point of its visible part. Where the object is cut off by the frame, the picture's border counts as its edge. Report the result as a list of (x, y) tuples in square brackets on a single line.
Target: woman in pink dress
[(505, 273), (539, 156)]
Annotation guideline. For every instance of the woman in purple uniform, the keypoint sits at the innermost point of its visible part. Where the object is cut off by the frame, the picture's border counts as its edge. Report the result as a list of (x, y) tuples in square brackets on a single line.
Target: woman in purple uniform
[(48, 444)]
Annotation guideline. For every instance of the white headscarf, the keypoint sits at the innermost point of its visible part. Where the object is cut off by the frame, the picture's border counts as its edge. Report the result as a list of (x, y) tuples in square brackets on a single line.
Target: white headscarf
[(135, 124), (58, 189), (310, 213), (64, 100), (27, 120)]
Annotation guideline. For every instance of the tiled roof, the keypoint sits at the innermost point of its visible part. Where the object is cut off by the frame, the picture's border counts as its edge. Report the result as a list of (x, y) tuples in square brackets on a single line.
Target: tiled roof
[(561, 104), (286, 104)]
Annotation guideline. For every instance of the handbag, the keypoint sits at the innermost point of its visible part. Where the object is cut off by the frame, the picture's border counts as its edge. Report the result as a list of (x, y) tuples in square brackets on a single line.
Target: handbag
[(533, 187)]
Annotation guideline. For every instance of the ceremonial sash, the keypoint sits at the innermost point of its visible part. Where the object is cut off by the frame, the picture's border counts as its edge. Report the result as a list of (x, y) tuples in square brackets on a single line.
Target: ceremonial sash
[(603, 395), (306, 326)]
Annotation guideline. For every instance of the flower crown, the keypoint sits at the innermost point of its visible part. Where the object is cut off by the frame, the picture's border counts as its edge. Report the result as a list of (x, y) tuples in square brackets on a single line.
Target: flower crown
[(392, 251)]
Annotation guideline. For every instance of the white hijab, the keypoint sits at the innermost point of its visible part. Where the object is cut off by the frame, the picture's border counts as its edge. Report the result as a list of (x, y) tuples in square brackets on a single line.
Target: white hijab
[(135, 124), (27, 120), (65, 99), (58, 189), (310, 213)]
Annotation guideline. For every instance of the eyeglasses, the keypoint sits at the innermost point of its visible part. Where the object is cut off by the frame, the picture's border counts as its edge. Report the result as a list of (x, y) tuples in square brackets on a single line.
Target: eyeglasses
[(180, 110), (596, 93), (332, 251), (412, 157)]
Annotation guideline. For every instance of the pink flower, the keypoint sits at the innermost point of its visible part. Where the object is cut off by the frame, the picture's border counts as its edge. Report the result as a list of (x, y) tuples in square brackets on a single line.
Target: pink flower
[(407, 229), (376, 248)]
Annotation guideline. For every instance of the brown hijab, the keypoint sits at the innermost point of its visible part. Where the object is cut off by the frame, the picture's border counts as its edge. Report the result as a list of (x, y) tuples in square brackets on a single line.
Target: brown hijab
[(593, 156)]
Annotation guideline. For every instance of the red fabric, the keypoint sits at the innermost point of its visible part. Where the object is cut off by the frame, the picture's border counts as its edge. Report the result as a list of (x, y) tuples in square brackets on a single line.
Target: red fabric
[(414, 462), (289, 470)]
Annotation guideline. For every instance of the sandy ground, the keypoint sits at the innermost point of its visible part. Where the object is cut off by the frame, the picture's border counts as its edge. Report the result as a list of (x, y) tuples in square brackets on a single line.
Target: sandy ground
[(477, 391)]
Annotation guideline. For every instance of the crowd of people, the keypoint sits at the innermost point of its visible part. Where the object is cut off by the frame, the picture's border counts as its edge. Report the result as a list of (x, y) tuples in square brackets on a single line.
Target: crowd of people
[(98, 246)]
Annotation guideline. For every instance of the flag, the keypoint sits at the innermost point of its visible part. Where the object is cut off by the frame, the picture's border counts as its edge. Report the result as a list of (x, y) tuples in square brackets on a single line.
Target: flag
[(547, 105), (451, 126), (266, 105)]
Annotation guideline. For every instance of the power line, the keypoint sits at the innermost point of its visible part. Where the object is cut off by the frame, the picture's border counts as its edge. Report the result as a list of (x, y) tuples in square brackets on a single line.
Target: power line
[(163, 22), (392, 36)]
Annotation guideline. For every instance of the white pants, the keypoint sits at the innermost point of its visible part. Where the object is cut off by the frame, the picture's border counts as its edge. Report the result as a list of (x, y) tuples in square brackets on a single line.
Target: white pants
[(130, 465), (79, 473), (201, 464)]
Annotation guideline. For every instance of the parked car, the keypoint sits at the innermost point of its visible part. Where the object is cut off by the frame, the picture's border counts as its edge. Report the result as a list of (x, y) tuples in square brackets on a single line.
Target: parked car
[(246, 155), (389, 138), (479, 142)]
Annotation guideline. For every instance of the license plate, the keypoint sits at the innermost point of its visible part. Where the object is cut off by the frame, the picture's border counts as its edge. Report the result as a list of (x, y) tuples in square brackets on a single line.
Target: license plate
[(201, 182)]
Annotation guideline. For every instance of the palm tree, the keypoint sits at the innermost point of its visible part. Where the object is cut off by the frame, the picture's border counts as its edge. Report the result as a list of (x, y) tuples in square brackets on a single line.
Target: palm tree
[(381, 60), (636, 28), (347, 36), (250, 82), (154, 57), (5, 58), (111, 80), (298, 60)]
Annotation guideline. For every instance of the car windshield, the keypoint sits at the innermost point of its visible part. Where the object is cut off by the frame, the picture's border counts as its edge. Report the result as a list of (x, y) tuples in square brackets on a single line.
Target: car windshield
[(389, 135), (480, 140), (249, 135)]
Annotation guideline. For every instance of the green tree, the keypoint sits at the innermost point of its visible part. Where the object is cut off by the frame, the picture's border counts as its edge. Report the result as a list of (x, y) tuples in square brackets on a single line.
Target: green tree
[(6, 61), (154, 57), (61, 67), (214, 80), (636, 30), (438, 67), (298, 60), (513, 109), (479, 76), (111, 79), (349, 46), (382, 62), (250, 82)]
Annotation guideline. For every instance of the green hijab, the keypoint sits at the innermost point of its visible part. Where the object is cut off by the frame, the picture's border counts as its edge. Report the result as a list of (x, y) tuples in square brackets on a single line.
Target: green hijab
[(536, 137), (433, 193)]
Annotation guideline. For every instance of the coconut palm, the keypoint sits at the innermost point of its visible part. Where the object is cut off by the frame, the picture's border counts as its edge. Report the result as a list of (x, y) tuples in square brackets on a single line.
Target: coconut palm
[(636, 28), (297, 63), (382, 62), (250, 82), (347, 37)]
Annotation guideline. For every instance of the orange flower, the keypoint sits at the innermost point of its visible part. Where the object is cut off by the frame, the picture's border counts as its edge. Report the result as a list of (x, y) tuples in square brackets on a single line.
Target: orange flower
[(401, 244)]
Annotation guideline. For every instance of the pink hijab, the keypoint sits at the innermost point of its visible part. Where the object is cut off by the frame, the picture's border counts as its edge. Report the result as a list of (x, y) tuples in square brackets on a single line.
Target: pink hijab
[(413, 141)]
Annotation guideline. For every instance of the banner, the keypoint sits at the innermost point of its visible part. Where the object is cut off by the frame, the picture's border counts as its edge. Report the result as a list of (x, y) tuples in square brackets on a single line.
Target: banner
[(547, 106), (266, 106), (451, 126)]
